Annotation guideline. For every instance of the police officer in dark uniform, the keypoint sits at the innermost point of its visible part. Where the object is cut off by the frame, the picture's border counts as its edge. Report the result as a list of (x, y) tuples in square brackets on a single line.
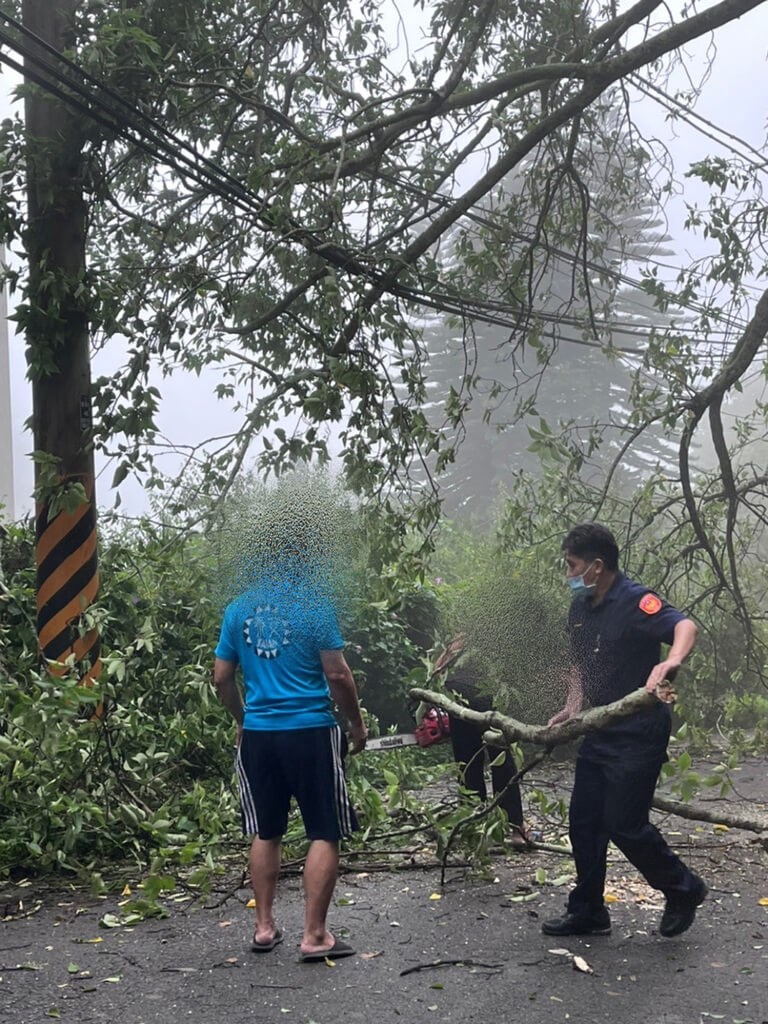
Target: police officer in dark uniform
[(616, 628)]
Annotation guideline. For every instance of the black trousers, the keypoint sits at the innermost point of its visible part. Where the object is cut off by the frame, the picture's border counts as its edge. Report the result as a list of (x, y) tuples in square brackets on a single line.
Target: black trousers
[(611, 802), (469, 752)]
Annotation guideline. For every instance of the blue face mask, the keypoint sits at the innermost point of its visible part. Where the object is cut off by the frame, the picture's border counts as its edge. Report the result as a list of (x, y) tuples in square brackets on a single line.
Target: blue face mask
[(578, 587)]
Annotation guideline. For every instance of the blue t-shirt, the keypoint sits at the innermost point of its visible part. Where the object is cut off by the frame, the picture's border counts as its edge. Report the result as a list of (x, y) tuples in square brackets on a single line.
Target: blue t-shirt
[(275, 633), (615, 645)]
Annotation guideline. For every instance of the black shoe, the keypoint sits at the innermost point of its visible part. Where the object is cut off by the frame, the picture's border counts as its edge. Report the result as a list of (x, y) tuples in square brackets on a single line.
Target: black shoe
[(680, 910), (579, 924)]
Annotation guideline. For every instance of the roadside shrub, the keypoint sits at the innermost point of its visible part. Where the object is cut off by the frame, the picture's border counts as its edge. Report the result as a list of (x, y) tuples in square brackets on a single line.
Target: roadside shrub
[(152, 776)]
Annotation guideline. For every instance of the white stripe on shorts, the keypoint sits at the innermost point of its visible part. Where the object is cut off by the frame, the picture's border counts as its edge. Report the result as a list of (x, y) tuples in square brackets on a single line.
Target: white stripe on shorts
[(250, 822), (341, 797)]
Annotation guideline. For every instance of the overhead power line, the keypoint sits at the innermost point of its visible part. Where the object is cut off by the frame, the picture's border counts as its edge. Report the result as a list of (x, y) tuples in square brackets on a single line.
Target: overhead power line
[(481, 216), (145, 132), (97, 100), (709, 129)]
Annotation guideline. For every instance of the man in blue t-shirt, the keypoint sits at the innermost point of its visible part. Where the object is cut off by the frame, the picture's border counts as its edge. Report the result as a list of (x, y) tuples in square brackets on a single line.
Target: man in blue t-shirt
[(284, 636), (616, 628)]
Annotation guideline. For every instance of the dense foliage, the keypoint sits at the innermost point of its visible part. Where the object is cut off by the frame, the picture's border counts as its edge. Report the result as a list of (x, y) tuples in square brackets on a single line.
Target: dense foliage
[(139, 763), (139, 768), (281, 194)]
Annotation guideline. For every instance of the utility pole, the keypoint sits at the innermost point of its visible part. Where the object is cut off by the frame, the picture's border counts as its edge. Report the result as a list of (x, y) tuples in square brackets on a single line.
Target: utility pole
[(58, 356)]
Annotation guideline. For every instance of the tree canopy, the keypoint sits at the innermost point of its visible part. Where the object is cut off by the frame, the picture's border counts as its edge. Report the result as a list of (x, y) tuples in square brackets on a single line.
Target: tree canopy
[(271, 188)]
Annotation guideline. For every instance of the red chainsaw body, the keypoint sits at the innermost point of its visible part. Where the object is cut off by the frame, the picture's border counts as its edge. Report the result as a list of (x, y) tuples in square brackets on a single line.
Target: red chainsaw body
[(435, 727)]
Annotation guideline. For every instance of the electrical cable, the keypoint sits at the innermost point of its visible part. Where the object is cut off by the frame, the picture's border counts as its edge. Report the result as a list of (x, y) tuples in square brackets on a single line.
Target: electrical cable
[(224, 184), (690, 117), (186, 161), (130, 109)]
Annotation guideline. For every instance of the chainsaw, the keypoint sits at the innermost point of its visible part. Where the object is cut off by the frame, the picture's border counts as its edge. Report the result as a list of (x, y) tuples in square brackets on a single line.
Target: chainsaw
[(435, 727)]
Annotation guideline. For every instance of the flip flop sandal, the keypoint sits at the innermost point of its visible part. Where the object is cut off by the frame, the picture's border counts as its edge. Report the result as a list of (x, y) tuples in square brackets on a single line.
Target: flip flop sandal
[(338, 949), (267, 947)]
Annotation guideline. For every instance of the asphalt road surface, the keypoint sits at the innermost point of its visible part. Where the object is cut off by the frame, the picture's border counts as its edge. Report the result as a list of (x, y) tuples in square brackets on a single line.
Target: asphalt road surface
[(471, 952)]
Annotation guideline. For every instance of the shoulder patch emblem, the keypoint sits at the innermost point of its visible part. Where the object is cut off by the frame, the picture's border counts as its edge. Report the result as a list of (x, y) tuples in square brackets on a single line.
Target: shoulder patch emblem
[(650, 604)]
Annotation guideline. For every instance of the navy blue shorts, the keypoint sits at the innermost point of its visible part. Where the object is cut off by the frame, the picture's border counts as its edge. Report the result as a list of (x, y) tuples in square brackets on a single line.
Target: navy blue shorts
[(308, 764)]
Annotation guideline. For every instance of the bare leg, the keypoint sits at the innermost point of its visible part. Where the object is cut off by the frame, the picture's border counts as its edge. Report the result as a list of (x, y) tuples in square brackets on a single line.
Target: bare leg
[(265, 868), (320, 870)]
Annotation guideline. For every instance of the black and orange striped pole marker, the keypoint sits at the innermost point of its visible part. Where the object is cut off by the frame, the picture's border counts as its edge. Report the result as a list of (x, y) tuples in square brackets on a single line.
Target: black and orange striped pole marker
[(67, 585)]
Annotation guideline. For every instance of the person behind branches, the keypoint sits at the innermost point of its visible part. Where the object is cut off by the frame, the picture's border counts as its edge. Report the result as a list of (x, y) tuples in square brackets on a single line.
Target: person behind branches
[(469, 750)]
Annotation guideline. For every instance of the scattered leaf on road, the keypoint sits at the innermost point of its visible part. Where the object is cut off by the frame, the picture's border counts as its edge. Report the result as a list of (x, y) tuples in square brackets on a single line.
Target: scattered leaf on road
[(580, 964)]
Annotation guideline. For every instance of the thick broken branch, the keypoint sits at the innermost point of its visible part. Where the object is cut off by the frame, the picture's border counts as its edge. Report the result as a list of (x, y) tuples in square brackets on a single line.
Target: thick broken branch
[(749, 821), (503, 729), (710, 398)]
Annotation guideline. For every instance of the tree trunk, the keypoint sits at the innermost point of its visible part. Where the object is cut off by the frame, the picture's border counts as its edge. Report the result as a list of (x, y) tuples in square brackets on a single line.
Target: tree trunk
[(58, 358)]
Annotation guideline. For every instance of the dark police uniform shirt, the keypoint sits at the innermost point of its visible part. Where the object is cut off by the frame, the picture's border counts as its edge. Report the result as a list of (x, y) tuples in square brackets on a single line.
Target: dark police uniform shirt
[(614, 645)]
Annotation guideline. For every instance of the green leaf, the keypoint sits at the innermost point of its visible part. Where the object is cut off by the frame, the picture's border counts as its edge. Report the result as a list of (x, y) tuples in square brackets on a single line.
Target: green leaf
[(109, 921)]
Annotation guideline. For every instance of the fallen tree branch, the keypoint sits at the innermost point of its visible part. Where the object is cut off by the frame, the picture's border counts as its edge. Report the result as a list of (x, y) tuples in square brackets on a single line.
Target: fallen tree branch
[(485, 809), (750, 821), (463, 962), (502, 729), (561, 848)]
